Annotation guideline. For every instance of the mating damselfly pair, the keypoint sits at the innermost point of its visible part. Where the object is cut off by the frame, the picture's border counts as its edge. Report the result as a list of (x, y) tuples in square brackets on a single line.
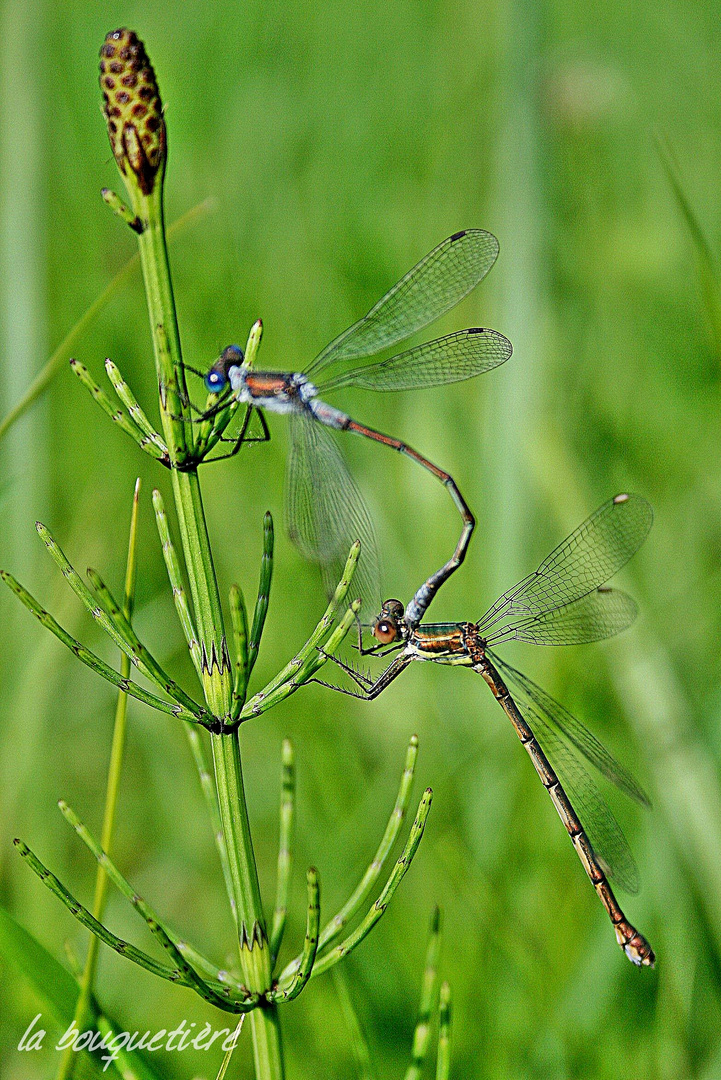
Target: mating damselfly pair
[(564, 601)]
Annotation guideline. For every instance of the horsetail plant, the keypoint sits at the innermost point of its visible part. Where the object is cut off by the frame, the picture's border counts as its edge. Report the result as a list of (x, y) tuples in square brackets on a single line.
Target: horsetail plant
[(137, 132)]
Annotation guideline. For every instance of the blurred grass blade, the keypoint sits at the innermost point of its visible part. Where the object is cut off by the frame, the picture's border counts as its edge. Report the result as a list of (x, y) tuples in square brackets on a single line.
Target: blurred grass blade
[(443, 1063), (229, 1053), (707, 264), (65, 348), (285, 849), (53, 984), (358, 1041), (422, 1033)]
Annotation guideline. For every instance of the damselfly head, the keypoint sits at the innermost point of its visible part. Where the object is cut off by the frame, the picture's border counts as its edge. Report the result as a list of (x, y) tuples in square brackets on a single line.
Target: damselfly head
[(217, 378), (388, 627)]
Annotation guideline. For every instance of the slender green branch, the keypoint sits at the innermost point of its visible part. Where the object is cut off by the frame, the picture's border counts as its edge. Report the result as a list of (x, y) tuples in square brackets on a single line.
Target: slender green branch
[(176, 582), (261, 604), (314, 641), (118, 207), (352, 906), (99, 666), (310, 946), (262, 701), (285, 849), (146, 661), (239, 620), (301, 668), (114, 623), (422, 1033), (157, 928), (110, 870), (130, 402), (125, 423), (378, 908), (209, 431), (83, 916)]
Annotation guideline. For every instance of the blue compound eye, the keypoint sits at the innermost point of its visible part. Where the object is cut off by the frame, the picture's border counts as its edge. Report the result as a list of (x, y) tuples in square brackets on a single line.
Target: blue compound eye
[(215, 381)]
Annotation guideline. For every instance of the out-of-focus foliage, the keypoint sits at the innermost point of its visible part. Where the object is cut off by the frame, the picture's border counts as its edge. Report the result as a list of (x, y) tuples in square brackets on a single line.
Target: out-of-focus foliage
[(342, 141)]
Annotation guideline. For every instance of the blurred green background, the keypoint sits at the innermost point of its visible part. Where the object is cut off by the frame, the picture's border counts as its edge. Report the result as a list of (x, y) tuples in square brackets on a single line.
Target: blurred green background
[(341, 141)]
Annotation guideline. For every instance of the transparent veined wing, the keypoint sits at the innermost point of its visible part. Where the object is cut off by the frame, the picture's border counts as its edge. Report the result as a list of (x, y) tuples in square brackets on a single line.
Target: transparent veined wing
[(599, 615), (585, 560), (326, 513), (431, 288), (449, 359), (599, 824), (529, 694)]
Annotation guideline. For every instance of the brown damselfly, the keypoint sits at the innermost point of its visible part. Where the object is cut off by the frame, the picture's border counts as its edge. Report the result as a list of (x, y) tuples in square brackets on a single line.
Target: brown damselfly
[(325, 511), (564, 602)]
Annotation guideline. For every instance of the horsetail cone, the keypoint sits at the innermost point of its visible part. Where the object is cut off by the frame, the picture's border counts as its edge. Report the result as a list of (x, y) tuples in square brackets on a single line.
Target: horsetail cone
[(132, 109)]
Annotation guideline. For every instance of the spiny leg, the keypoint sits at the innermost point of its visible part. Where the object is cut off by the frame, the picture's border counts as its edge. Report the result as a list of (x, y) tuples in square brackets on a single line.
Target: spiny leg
[(241, 438), (384, 679)]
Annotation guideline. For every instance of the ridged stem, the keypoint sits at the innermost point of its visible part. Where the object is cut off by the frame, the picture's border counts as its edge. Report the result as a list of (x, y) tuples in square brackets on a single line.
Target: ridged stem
[(139, 148)]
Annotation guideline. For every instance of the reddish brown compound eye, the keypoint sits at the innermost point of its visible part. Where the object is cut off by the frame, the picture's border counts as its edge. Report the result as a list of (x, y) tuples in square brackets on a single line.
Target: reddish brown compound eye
[(385, 632)]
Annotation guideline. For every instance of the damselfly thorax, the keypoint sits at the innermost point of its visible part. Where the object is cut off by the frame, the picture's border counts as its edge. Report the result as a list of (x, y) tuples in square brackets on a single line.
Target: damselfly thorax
[(282, 392), (444, 643)]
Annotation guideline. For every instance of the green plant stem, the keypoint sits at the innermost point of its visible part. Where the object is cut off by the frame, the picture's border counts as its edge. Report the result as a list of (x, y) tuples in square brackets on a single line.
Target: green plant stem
[(216, 667), (163, 317), (254, 947), (310, 946)]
